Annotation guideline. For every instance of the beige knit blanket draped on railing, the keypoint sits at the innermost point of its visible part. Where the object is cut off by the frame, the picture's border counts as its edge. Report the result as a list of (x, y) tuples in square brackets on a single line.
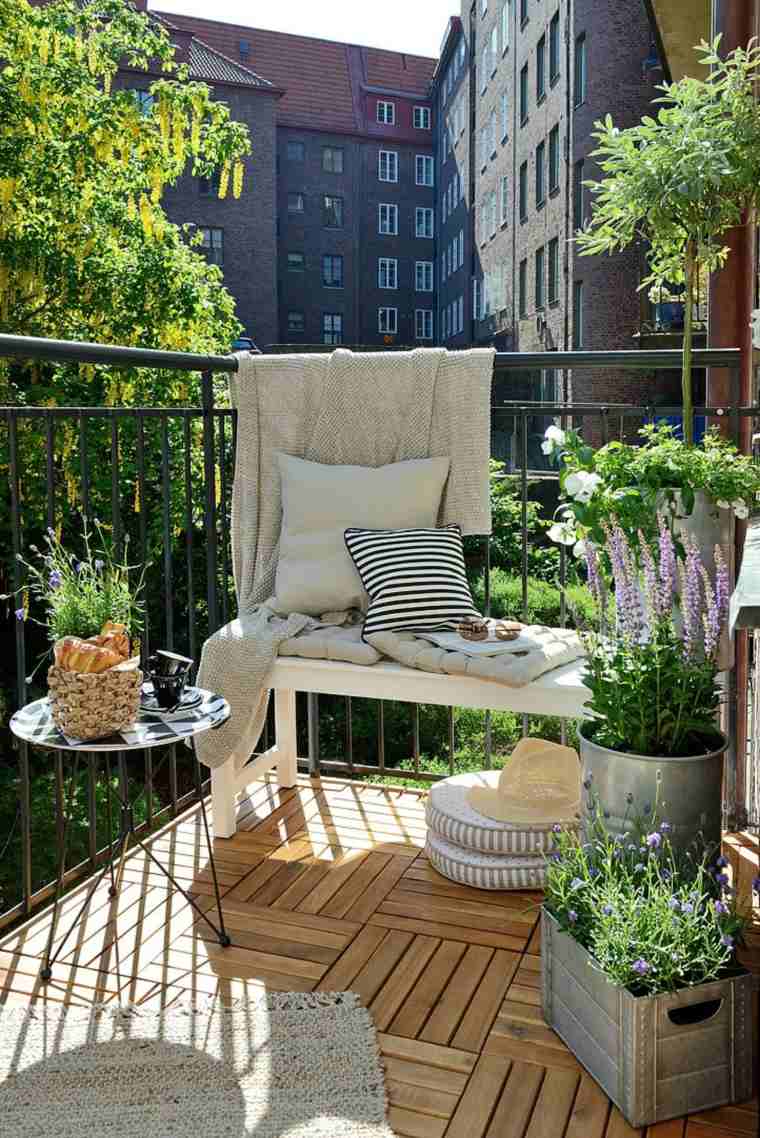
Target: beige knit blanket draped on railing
[(366, 409)]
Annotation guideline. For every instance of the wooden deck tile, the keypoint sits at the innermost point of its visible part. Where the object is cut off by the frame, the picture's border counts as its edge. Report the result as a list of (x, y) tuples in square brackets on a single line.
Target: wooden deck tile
[(325, 887)]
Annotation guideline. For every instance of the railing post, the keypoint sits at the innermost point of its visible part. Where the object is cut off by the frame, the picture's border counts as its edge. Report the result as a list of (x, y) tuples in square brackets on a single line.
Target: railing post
[(209, 513)]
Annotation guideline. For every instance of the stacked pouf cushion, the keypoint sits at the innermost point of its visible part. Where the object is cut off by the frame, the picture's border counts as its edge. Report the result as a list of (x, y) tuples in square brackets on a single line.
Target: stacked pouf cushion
[(475, 850)]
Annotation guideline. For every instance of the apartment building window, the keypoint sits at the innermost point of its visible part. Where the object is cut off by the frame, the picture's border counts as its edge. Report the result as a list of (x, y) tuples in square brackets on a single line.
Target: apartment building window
[(476, 289), (450, 266), (494, 48), (503, 199), (296, 322), (443, 209), (504, 115), (423, 276), (144, 100), (387, 219), (579, 85), (387, 320), (443, 266), (387, 272), (524, 94), (483, 228), (523, 191), (554, 48), (554, 159), (423, 323), (522, 288), (387, 166), (423, 170), (296, 262), (386, 112), (461, 247), (483, 147), (423, 222), (554, 270), (212, 244), (577, 314), (209, 187), (523, 13), (332, 159), (541, 69), (483, 8), (421, 118), (540, 275), (332, 270), (579, 196), (540, 172), (461, 53), (484, 68), (505, 10), (295, 150), (332, 211), (332, 328), (296, 203)]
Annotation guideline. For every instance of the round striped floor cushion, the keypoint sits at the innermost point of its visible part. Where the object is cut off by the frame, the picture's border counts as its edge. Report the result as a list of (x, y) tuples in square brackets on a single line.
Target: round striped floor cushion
[(484, 871), (449, 814)]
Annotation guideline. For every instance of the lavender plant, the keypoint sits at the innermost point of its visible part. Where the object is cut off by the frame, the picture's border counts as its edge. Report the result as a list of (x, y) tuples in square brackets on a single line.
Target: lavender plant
[(652, 676), (652, 921)]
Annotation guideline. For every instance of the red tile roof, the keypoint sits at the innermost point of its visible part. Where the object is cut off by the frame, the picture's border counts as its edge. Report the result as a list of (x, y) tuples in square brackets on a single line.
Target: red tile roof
[(322, 79)]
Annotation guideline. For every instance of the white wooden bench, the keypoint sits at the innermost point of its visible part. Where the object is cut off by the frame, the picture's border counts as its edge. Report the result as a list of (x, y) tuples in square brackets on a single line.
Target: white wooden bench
[(559, 692)]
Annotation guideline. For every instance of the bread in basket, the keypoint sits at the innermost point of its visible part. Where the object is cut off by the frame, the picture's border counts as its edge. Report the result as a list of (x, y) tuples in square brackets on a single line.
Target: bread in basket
[(94, 685)]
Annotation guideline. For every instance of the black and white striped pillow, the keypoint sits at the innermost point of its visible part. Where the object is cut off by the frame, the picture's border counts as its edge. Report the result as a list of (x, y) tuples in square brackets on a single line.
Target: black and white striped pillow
[(415, 578)]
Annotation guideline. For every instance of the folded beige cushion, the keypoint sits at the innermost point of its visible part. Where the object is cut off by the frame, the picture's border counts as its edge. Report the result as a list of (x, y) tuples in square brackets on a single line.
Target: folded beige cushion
[(330, 643), (315, 573)]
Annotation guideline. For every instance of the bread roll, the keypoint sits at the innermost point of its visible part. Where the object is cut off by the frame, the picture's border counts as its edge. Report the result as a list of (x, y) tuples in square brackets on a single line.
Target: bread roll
[(75, 655), (114, 637)]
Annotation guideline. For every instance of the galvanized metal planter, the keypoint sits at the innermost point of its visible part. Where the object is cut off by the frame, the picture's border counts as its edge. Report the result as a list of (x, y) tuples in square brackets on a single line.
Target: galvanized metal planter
[(656, 1057), (689, 790)]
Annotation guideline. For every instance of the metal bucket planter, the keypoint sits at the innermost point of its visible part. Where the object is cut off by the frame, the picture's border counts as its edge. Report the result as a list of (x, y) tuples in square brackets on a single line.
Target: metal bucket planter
[(656, 1057), (688, 790)]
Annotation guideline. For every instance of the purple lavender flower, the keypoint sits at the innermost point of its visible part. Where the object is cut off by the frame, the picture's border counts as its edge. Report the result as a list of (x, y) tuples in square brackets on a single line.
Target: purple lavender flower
[(572, 916), (627, 596), (654, 840), (721, 862), (641, 966), (691, 597), (19, 614), (593, 872), (687, 907), (555, 855), (651, 582), (556, 828), (674, 904), (722, 878), (721, 908), (665, 827), (577, 883), (595, 584), (667, 566), (55, 579), (756, 884), (711, 618), (50, 531), (607, 910), (639, 868), (665, 874), (722, 584), (80, 566), (99, 566), (727, 941)]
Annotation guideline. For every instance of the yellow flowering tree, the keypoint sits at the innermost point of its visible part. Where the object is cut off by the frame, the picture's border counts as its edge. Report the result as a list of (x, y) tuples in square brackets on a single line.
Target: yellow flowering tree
[(86, 250)]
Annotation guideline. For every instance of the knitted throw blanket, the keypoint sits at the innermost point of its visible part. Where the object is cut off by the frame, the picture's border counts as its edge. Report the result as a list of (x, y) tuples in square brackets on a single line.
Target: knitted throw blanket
[(366, 409)]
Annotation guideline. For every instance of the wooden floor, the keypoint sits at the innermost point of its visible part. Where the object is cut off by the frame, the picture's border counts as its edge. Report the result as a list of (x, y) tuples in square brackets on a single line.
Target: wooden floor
[(325, 886)]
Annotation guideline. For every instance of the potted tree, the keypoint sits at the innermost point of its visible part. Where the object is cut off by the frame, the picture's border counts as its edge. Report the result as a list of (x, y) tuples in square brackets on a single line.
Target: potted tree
[(651, 734), (680, 180), (639, 974)]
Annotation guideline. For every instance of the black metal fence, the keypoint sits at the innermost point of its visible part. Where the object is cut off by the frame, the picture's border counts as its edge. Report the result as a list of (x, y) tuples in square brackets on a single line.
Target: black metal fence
[(161, 478)]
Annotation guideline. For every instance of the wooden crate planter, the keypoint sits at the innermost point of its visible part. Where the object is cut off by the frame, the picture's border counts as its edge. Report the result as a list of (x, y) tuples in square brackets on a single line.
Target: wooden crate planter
[(656, 1057)]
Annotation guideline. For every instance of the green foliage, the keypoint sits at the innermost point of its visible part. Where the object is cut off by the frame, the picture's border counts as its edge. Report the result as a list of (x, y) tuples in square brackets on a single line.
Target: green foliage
[(81, 593), (506, 541), (544, 600), (633, 484), (653, 922), (682, 179)]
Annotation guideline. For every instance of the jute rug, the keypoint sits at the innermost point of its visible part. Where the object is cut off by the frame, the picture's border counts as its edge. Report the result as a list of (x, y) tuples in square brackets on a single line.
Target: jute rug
[(288, 1065)]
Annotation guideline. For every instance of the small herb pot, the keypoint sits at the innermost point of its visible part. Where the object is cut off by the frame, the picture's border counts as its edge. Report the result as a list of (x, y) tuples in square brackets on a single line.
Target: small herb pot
[(656, 1057), (688, 791)]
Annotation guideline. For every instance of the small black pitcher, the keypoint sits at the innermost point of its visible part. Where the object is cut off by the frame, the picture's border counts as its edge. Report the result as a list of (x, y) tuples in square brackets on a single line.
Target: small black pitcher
[(168, 673)]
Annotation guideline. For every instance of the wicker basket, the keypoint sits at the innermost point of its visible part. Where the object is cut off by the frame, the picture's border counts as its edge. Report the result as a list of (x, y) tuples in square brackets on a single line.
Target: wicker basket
[(89, 706)]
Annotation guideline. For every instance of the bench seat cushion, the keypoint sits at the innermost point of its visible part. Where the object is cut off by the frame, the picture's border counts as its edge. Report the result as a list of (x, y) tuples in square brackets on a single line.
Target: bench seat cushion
[(449, 815), (482, 870)]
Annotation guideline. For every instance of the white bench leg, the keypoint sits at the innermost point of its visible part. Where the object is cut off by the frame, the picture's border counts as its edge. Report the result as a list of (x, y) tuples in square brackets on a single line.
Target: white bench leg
[(285, 729), (223, 796)]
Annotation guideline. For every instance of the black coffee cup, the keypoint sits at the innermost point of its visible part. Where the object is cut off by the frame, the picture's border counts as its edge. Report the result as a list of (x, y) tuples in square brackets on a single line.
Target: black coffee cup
[(168, 673)]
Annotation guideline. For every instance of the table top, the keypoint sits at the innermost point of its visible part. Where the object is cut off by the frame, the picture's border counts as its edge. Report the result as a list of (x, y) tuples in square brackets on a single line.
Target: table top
[(34, 724)]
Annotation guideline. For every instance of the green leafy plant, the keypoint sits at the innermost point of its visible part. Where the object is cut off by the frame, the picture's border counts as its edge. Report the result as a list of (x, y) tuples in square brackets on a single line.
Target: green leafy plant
[(653, 681), (651, 921), (681, 180), (80, 594), (630, 485)]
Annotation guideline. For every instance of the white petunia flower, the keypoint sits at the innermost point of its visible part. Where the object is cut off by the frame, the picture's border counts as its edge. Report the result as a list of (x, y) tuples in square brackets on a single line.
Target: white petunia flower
[(581, 485), (722, 504), (579, 549), (554, 437), (741, 512), (563, 533)]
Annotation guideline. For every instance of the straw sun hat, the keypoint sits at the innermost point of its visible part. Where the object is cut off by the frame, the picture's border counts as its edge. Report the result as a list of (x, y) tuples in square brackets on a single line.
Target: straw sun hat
[(540, 783)]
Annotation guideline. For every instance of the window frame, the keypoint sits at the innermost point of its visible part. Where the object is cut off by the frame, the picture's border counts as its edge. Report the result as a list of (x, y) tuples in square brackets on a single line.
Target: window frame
[(552, 290), (539, 281), (579, 195), (215, 249), (424, 115), (494, 48), (387, 263), (580, 70), (390, 166), (427, 317), (297, 331), (522, 288), (504, 25), (524, 15), (330, 168), (393, 213), (504, 115), (485, 70), (541, 69), (503, 200), (428, 167), (523, 191), (333, 259), (389, 109), (523, 93), (296, 194), (540, 174), (332, 332), (429, 216), (554, 49), (326, 224), (577, 323), (295, 267), (387, 310), (425, 269), (554, 160), (290, 144)]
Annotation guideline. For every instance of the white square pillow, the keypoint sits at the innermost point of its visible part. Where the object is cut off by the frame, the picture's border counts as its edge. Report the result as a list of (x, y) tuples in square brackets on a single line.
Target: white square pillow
[(315, 573)]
